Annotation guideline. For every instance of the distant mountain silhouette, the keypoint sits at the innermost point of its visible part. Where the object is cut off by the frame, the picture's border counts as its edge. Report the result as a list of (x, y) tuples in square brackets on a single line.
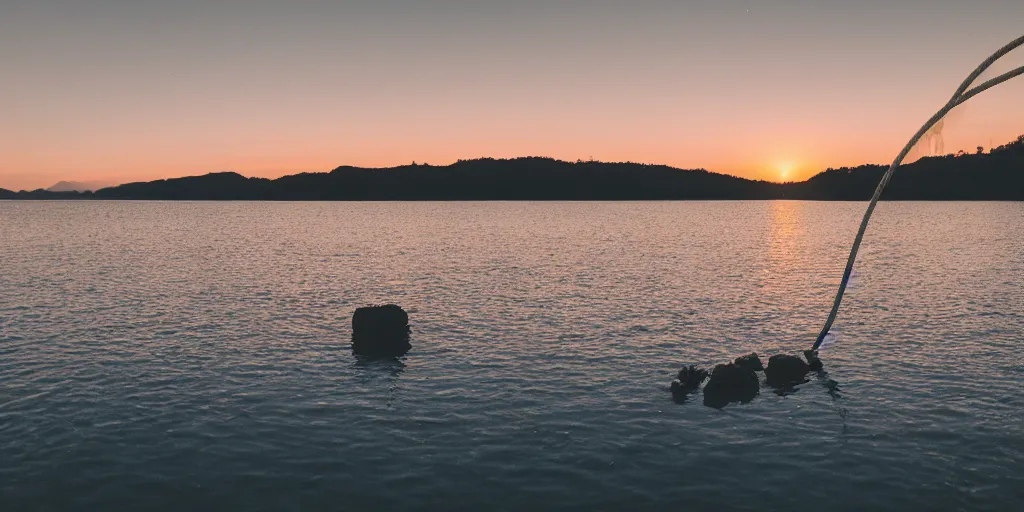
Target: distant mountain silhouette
[(996, 175), (78, 186), (44, 194)]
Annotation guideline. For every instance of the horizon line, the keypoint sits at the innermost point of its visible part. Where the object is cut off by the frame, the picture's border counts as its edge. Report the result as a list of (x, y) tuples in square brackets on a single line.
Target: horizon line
[(415, 163)]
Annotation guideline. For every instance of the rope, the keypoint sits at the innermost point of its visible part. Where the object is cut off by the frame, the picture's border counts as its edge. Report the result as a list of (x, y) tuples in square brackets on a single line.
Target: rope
[(962, 94)]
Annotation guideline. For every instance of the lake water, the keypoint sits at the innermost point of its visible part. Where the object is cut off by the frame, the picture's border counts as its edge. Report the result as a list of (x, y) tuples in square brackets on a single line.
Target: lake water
[(194, 356)]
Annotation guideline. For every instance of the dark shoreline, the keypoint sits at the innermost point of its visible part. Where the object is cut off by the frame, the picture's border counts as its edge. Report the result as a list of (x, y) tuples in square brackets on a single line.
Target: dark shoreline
[(994, 176)]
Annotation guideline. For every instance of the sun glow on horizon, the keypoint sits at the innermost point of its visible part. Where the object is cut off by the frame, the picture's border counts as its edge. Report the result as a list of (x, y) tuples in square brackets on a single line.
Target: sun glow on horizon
[(785, 170)]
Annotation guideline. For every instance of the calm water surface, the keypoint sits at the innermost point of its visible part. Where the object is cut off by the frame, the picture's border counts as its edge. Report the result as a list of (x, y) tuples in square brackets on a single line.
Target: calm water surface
[(193, 356)]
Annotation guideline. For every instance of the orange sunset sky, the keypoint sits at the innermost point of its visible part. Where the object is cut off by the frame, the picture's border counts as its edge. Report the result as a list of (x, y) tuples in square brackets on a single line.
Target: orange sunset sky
[(121, 91)]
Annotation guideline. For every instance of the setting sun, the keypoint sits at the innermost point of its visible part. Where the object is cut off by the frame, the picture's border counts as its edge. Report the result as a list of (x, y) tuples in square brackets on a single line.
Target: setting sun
[(785, 170)]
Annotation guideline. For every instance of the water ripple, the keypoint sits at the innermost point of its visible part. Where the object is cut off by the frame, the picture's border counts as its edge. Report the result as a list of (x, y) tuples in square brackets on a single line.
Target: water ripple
[(194, 356)]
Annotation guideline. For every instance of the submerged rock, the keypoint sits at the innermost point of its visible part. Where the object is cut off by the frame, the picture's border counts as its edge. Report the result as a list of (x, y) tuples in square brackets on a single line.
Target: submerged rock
[(812, 360), (750, 361), (784, 369), (731, 383), (689, 378), (380, 331)]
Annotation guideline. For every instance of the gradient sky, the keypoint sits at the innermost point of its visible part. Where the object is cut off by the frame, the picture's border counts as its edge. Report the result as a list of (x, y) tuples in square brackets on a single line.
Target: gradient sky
[(125, 90)]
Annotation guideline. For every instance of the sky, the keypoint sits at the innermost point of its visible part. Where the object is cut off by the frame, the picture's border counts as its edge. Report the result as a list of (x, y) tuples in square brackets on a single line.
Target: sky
[(129, 90)]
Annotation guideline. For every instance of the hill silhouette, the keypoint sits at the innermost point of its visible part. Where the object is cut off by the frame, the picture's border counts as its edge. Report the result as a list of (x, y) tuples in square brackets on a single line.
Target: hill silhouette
[(995, 175)]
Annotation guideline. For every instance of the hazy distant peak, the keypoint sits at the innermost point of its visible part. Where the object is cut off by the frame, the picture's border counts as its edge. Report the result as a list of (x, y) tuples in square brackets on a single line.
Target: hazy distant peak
[(79, 186)]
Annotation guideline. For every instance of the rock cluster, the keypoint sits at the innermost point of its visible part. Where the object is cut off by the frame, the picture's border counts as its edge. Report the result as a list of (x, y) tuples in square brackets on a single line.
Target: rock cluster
[(738, 381)]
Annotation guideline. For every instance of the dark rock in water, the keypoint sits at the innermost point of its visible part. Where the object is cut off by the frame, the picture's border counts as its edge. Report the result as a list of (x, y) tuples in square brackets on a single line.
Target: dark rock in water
[(738, 381), (731, 383), (691, 377), (680, 394), (380, 331), (812, 360), (784, 369), (750, 361)]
